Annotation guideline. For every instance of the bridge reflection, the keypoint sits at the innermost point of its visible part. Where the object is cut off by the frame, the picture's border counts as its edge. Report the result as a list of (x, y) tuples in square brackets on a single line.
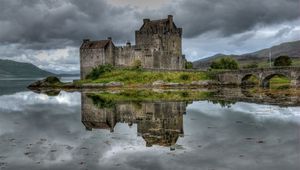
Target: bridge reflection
[(158, 123)]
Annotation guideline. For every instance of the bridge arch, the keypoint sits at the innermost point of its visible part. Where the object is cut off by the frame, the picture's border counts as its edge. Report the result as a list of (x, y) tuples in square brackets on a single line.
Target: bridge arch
[(247, 80), (266, 80), (237, 77)]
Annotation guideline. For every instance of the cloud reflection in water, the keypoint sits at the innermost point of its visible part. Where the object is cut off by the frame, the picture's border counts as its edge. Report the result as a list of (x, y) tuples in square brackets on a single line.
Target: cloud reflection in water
[(41, 132)]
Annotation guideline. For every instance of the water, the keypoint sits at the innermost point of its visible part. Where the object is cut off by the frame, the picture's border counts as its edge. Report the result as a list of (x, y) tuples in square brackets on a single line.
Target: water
[(73, 131)]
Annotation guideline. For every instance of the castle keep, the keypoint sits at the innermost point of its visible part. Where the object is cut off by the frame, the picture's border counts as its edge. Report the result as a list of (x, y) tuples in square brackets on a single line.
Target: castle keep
[(158, 46)]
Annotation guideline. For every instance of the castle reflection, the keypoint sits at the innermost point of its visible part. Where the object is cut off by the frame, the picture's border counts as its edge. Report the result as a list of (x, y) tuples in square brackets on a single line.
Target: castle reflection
[(158, 123)]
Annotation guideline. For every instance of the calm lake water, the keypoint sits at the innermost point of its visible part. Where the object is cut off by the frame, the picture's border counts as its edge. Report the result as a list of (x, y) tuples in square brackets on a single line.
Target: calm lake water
[(69, 131)]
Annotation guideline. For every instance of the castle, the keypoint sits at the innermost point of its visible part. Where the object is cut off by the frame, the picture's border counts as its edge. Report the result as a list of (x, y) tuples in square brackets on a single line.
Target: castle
[(158, 45), (158, 123)]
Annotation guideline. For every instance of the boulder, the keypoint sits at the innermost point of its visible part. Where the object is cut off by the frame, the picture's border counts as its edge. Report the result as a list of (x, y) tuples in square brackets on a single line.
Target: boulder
[(47, 82), (158, 83), (102, 85), (162, 83), (93, 85), (114, 84), (204, 83), (172, 84)]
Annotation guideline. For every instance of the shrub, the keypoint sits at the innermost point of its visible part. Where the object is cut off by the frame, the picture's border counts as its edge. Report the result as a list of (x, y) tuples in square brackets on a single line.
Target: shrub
[(101, 102), (188, 65), (184, 94), (98, 71), (52, 80), (283, 61), (184, 77), (225, 63), (137, 65)]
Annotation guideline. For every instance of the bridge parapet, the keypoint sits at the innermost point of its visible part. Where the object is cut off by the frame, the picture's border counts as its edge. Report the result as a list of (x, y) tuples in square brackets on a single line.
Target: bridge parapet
[(260, 69), (236, 77)]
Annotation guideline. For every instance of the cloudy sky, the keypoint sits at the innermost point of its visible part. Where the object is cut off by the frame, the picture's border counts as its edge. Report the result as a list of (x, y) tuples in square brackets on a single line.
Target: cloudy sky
[(48, 33)]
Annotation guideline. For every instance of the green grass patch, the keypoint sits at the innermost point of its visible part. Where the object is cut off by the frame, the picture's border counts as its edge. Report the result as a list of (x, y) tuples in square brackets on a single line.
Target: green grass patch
[(279, 82), (107, 98), (133, 76), (252, 80)]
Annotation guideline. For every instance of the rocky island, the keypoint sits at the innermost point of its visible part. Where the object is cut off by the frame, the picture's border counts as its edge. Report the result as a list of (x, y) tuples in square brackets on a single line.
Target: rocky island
[(156, 61)]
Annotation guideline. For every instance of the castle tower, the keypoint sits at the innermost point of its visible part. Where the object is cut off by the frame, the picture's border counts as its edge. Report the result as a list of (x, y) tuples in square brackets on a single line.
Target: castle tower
[(158, 45), (161, 41)]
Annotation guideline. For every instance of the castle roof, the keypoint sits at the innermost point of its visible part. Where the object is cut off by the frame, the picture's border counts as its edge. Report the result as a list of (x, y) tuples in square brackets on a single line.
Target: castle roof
[(155, 25), (99, 125), (95, 44)]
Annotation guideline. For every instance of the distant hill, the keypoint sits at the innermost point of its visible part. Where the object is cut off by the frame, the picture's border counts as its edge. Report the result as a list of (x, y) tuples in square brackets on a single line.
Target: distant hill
[(10, 68), (261, 57)]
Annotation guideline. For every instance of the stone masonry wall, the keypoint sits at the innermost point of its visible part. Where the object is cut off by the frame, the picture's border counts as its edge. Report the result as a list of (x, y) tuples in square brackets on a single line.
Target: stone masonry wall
[(161, 120), (89, 59)]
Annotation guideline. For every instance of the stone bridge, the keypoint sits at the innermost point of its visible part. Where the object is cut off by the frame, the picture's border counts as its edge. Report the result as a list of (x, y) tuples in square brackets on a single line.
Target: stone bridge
[(238, 77)]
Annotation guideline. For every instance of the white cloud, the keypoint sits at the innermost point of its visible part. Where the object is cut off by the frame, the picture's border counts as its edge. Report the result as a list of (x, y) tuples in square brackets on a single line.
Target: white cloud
[(18, 101), (258, 111)]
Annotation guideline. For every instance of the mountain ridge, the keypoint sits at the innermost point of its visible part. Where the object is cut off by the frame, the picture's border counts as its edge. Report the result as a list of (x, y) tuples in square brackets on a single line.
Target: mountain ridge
[(292, 49), (10, 68)]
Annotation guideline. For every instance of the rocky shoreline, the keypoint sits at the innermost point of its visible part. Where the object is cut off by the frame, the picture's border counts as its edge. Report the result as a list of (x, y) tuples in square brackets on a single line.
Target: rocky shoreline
[(55, 83)]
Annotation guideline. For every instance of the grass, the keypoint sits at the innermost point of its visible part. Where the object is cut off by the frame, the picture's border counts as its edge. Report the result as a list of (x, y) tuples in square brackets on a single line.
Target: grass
[(253, 80), (101, 99), (109, 100), (279, 82), (140, 77)]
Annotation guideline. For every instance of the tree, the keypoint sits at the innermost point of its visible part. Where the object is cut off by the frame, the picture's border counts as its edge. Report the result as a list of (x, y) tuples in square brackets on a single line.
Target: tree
[(283, 61), (188, 65), (225, 63)]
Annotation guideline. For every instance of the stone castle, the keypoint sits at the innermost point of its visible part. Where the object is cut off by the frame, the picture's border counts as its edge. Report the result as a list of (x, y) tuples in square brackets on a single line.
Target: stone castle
[(158, 123), (158, 45)]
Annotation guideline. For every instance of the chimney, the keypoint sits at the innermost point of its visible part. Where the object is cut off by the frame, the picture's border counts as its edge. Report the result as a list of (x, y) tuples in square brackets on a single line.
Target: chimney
[(128, 44), (86, 40), (170, 18), (109, 38), (146, 20)]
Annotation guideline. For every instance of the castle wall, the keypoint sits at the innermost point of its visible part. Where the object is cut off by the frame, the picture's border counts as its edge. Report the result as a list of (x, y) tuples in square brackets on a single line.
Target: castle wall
[(93, 57), (95, 117), (158, 45), (158, 123), (90, 58), (110, 54), (125, 56)]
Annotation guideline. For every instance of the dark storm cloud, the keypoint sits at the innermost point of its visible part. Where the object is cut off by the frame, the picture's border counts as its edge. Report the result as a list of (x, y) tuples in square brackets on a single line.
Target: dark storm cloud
[(57, 24), (232, 16), (53, 24)]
